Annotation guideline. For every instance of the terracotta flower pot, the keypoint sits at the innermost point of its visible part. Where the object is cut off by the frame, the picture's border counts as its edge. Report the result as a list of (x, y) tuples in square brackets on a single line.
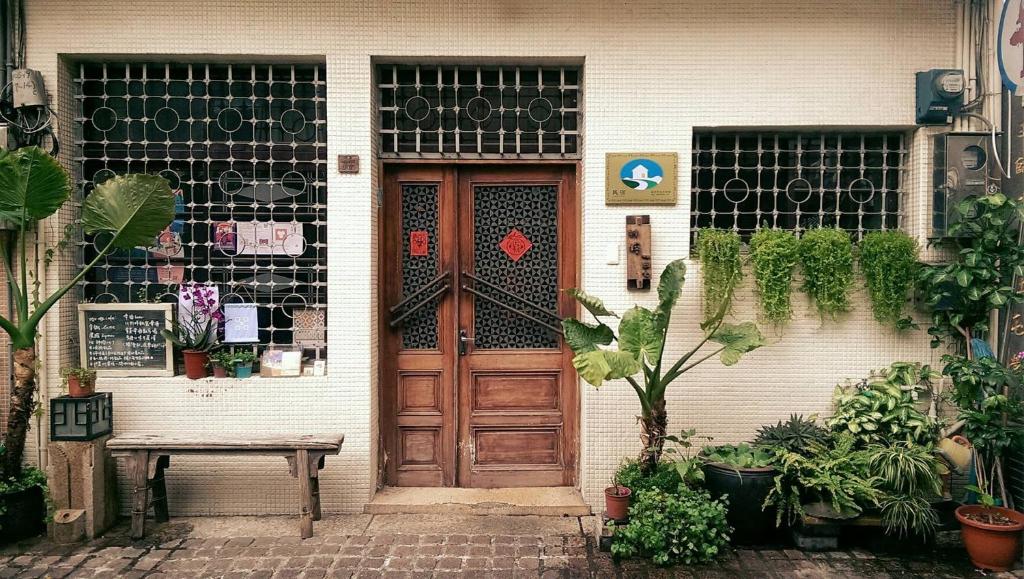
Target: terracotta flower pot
[(219, 371), (195, 364), (993, 547), (80, 389), (616, 502)]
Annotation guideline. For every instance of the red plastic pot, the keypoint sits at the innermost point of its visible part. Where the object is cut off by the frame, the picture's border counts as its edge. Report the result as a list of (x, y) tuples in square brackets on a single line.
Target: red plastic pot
[(616, 502), (219, 371), (993, 547), (195, 364), (79, 389)]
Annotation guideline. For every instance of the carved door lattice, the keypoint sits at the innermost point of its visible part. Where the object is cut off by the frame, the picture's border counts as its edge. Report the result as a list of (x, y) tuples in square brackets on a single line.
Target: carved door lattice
[(516, 248), (419, 262)]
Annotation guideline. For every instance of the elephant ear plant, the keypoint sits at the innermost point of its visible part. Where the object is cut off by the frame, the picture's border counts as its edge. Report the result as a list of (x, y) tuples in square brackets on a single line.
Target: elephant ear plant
[(641, 338), (124, 212)]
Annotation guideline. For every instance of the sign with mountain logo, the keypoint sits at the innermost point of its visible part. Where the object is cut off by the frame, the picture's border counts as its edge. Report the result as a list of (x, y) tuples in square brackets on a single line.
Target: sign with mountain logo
[(641, 178)]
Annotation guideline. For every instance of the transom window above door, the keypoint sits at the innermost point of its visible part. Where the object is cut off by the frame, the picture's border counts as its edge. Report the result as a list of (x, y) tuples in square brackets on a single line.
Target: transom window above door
[(478, 111)]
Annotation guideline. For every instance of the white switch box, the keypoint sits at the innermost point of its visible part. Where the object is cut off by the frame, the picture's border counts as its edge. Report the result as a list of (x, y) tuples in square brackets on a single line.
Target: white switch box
[(612, 254)]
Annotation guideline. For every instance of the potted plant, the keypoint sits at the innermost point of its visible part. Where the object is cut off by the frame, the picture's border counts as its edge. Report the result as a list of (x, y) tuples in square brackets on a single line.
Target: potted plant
[(641, 339), (223, 363), (196, 334), (991, 534), (79, 382), (616, 501), (128, 211), (745, 474), (243, 363)]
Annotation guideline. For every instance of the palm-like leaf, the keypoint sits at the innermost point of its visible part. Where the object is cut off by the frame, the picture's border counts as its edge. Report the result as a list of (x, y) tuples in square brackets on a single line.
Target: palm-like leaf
[(132, 208), (33, 185)]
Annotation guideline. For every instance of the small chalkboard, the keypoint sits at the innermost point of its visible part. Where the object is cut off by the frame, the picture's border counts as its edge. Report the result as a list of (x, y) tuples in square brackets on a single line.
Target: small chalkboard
[(124, 339)]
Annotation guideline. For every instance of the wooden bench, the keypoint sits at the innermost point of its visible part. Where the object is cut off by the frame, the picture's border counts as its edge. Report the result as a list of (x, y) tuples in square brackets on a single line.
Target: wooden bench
[(148, 455)]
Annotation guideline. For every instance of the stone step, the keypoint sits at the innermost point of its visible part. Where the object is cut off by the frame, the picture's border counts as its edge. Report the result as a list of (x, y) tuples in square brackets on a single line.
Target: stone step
[(547, 501)]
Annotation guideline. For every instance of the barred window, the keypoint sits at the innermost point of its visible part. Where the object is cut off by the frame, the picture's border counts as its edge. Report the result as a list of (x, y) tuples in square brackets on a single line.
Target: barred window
[(478, 111), (245, 148), (797, 181)]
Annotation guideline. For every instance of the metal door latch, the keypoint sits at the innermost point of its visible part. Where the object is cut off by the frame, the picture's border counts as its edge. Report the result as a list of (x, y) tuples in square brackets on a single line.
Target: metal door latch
[(464, 340)]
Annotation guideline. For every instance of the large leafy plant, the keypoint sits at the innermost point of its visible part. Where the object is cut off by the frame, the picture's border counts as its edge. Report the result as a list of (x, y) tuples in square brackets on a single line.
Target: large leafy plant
[(641, 339), (888, 260), (774, 253), (961, 293), (794, 435), (123, 212), (880, 411), (908, 477), (826, 260)]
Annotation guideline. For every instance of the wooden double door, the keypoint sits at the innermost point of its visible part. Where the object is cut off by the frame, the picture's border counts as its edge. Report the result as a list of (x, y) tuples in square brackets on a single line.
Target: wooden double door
[(476, 380)]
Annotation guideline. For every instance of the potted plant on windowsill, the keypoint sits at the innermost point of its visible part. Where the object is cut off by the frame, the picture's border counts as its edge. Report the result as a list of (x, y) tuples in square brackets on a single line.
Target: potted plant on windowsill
[(243, 362), (223, 363), (79, 382), (123, 212), (991, 534), (195, 334)]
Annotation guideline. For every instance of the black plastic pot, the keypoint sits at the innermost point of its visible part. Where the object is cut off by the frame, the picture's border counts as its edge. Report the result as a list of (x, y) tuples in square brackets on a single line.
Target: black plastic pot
[(25, 515), (746, 489)]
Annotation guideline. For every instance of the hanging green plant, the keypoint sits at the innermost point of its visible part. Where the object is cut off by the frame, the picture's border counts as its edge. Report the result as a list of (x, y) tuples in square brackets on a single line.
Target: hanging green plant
[(826, 259), (774, 253), (719, 254), (888, 260)]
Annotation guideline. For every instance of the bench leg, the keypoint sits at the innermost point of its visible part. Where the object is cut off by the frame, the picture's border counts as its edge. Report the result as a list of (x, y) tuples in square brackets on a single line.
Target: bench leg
[(314, 473), (138, 470), (305, 494), (160, 510)]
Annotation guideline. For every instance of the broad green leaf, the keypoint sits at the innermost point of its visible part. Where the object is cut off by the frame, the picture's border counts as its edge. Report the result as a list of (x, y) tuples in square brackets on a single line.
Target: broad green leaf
[(963, 278), (132, 208), (671, 284), (642, 333), (594, 305), (599, 365), (738, 339), (33, 185), (585, 338)]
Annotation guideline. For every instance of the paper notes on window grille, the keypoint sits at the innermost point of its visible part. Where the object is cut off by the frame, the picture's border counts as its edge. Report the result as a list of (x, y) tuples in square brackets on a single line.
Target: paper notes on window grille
[(125, 340), (241, 323)]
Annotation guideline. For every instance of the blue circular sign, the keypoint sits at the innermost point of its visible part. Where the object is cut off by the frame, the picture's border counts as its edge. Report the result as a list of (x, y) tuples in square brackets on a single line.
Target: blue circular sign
[(641, 174)]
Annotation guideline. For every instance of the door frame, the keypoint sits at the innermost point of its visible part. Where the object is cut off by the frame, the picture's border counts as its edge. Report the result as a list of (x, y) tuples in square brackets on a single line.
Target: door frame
[(571, 236)]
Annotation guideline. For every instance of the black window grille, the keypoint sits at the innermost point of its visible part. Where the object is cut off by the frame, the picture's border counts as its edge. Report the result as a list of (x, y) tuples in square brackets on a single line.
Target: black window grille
[(245, 147), (797, 181), (483, 111)]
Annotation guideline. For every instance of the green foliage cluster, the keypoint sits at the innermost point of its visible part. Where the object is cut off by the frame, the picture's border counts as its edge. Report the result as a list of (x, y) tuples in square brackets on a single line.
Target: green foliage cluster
[(794, 435), (888, 260), (739, 456), (826, 260), (774, 254), (962, 293), (836, 474), (882, 410), (719, 253), (224, 358), (993, 426), (976, 379), (687, 527), (908, 476), (631, 475), (30, 477)]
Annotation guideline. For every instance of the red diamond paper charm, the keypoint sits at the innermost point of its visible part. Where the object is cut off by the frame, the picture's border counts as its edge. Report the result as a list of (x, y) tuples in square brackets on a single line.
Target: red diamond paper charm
[(515, 244)]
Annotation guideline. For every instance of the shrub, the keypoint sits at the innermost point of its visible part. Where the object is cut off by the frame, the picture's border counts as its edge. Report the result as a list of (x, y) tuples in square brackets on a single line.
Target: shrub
[(665, 478), (794, 435), (888, 260), (719, 254), (666, 528), (774, 253), (826, 258), (882, 411)]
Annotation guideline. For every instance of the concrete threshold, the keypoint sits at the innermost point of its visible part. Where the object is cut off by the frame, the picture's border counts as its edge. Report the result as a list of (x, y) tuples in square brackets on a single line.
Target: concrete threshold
[(545, 501)]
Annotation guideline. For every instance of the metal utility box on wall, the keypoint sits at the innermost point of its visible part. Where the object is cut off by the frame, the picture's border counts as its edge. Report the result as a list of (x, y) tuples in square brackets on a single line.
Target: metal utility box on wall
[(940, 94), (961, 165)]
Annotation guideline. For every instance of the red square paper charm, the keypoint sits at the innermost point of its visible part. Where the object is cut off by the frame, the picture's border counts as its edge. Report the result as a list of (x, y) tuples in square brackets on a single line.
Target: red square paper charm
[(419, 243), (515, 244)]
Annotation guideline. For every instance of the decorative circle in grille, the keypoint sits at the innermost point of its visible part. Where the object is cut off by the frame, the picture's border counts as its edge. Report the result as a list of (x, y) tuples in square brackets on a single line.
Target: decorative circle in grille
[(229, 120), (799, 191), (293, 182), (166, 119), (417, 108), (104, 119), (231, 182), (293, 121), (101, 176), (862, 191), (736, 190), (540, 110), (478, 109), (172, 178)]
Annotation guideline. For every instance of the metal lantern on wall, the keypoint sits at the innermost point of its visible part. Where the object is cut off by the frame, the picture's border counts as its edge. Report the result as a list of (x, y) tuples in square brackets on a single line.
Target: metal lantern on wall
[(81, 419)]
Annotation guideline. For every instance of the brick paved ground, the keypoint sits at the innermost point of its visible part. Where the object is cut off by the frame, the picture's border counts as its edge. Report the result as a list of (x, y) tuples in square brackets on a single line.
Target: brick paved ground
[(492, 547)]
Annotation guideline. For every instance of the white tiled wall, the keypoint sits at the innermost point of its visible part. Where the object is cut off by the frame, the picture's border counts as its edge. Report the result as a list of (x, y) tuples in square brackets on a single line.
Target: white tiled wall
[(653, 72)]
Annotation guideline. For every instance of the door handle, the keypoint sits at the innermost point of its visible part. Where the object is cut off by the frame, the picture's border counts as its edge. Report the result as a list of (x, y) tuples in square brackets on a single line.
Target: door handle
[(464, 341)]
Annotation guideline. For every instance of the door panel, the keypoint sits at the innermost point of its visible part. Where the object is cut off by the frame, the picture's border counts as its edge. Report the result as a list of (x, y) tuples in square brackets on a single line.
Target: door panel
[(499, 407)]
